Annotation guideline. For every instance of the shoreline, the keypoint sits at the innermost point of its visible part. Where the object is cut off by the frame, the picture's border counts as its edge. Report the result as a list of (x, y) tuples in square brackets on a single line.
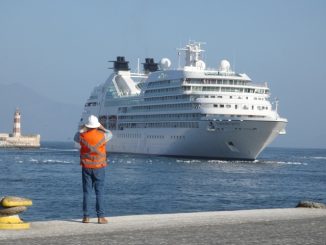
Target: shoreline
[(286, 226)]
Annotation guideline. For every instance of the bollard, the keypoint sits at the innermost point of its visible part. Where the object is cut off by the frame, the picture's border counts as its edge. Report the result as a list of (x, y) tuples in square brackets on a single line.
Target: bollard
[(10, 207)]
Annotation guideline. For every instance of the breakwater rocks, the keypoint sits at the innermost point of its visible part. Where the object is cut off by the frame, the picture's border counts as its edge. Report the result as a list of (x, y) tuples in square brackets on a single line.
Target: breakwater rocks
[(10, 207), (310, 204)]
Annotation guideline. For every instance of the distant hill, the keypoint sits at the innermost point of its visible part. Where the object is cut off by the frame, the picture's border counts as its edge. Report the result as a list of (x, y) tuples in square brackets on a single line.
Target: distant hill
[(55, 121)]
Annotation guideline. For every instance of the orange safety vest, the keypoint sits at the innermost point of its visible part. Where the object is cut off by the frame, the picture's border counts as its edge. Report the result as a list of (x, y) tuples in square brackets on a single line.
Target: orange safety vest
[(93, 150)]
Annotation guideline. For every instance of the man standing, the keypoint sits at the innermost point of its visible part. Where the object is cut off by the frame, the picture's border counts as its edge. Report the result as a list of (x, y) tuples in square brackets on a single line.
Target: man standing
[(92, 139)]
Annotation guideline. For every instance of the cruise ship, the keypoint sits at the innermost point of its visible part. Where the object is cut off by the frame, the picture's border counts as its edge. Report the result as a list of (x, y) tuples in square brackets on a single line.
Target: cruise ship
[(188, 111)]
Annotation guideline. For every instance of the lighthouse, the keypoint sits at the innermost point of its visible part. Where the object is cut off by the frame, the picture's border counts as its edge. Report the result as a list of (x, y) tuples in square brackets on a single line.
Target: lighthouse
[(16, 139), (16, 130)]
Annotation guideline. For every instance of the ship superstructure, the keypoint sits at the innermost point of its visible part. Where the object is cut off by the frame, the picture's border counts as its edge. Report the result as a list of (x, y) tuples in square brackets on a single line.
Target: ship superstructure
[(191, 111)]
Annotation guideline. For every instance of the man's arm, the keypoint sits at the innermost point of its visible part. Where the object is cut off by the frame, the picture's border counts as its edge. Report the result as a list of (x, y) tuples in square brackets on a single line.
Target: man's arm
[(107, 133), (77, 137)]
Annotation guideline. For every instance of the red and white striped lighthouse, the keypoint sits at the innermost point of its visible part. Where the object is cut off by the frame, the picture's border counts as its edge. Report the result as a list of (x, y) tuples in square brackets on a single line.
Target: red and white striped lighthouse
[(16, 130)]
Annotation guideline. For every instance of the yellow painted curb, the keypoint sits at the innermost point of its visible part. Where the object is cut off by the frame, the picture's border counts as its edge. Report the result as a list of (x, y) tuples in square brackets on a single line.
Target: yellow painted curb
[(12, 201), (12, 219), (20, 226)]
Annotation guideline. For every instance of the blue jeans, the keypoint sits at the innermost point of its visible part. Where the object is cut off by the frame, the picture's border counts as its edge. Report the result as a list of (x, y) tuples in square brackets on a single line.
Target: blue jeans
[(93, 178)]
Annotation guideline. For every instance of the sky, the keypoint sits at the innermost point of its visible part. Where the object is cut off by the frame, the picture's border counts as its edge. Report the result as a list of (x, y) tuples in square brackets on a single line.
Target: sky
[(61, 48)]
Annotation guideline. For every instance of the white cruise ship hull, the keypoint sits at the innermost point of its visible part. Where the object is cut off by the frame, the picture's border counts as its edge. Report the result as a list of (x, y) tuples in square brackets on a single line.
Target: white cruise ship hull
[(242, 140)]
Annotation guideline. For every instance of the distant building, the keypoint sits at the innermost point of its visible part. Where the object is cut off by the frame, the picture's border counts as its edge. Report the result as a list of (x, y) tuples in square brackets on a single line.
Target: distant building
[(16, 139)]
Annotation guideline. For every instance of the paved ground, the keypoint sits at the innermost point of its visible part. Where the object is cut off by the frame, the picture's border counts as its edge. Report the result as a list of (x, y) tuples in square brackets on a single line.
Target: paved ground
[(266, 226)]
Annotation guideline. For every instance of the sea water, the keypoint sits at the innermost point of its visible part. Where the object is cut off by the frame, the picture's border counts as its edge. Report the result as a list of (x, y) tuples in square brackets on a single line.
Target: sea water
[(141, 184)]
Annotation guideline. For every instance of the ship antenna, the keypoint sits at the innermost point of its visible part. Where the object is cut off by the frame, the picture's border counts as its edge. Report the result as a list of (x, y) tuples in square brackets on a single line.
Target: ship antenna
[(234, 59), (179, 66)]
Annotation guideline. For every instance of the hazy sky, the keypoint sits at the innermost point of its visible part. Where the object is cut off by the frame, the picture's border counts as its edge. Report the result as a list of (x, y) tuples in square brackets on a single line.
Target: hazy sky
[(61, 48)]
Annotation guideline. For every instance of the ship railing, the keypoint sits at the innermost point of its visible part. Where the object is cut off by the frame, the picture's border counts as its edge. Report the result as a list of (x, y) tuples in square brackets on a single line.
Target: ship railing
[(159, 117), (138, 75), (159, 102), (161, 110), (220, 84), (261, 85), (159, 94)]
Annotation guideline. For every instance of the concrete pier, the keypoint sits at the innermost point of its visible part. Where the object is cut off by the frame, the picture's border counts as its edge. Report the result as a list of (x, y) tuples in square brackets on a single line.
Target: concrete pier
[(265, 226)]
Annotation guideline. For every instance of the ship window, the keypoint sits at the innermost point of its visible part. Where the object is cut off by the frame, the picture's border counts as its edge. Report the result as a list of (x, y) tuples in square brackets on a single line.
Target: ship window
[(90, 104)]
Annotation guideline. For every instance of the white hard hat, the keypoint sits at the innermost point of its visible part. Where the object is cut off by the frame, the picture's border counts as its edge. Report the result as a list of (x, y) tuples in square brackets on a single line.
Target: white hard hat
[(92, 122)]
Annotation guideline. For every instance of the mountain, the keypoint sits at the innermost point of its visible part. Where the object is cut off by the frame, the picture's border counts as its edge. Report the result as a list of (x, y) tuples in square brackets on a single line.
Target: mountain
[(54, 121)]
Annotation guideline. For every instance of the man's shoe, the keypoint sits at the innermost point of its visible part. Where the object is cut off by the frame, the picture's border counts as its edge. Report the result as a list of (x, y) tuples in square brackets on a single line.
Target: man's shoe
[(102, 220), (85, 220)]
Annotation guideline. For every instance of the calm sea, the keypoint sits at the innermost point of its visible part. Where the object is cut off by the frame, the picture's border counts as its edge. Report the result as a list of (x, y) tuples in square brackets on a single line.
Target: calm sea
[(137, 184)]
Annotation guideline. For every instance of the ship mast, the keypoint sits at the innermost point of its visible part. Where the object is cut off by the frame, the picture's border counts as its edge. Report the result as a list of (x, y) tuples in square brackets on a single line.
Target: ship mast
[(193, 52)]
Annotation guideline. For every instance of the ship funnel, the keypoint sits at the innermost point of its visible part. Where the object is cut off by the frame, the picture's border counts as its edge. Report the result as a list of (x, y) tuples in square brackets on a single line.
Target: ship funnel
[(120, 64), (150, 65)]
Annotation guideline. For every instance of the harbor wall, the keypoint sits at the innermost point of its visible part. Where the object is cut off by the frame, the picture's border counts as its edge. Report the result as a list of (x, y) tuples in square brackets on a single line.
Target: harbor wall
[(7, 141)]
